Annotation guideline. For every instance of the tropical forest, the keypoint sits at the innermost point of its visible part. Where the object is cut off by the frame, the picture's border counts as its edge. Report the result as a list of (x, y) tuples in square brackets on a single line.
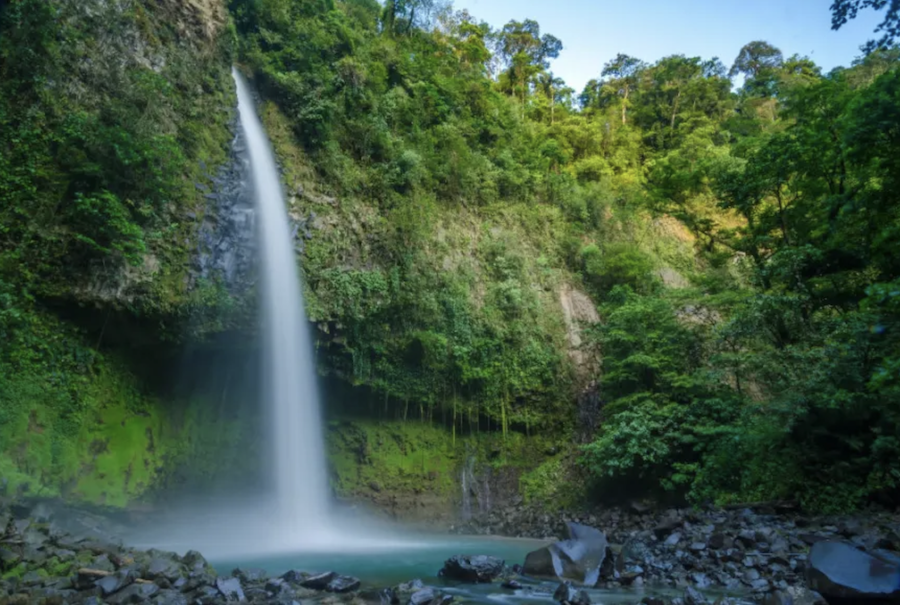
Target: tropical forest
[(346, 284)]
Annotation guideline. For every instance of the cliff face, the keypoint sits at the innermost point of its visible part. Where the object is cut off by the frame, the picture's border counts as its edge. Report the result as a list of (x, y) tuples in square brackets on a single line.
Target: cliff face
[(117, 188)]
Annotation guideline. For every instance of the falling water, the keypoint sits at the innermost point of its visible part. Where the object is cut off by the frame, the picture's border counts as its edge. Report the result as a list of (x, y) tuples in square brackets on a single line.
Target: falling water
[(300, 517), (290, 393)]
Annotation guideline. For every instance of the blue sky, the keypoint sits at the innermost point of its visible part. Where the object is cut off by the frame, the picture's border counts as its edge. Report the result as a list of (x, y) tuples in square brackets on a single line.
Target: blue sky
[(594, 31)]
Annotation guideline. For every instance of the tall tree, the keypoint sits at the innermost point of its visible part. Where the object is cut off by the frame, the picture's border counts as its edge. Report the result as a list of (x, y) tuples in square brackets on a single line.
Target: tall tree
[(760, 62), (525, 53), (623, 72)]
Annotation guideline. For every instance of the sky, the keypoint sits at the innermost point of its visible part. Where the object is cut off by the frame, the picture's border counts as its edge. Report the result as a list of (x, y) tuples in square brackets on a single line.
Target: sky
[(594, 31)]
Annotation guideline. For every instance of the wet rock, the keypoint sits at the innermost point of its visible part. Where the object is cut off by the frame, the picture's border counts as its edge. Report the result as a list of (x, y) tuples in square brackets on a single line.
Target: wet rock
[(33, 578), (250, 575), (473, 569), (385, 596), (422, 597), (839, 571), (701, 580), (8, 559), (170, 597), (231, 589), (746, 539), (673, 539), (205, 595), (579, 558), (163, 567), (750, 576), (668, 524), (512, 585), (342, 584), (566, 593), (318, 581), (411, 586), (115, 582), (692, 596), (194, 561), (134, 593), (294, 576), (102, 563)]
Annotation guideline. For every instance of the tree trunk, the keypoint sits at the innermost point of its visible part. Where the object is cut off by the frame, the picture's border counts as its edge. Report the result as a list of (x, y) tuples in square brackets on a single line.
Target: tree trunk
[(675, 110), (784, 230)]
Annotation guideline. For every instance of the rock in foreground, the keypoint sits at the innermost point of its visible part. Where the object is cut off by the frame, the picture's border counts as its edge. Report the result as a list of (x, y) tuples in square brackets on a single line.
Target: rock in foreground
[(577, 559), (473, 568), (838, 571)]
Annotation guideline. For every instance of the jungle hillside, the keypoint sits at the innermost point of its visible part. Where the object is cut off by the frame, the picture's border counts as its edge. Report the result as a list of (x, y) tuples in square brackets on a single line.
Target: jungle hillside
[(682, 281)]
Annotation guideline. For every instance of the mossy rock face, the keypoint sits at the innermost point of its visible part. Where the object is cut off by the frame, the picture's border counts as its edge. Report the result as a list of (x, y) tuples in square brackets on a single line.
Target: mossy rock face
[(414, 470)]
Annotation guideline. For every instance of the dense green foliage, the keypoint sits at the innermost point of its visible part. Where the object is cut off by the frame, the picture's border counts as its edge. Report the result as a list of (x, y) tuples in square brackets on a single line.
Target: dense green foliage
[(740, 245), (768, 371), (106, 112)]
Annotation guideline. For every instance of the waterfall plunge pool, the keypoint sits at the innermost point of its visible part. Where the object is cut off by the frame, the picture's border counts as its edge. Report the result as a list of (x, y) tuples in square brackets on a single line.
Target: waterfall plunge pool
[(422, 558)]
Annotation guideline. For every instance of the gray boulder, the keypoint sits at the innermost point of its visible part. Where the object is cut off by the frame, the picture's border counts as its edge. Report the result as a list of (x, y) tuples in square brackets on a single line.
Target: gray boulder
[(577, 559), (231, 588), (838, 571), (473, 568)]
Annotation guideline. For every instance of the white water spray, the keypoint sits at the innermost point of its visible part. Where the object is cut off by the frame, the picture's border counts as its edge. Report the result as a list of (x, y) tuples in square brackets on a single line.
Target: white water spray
[(298, 515), (290, 393)]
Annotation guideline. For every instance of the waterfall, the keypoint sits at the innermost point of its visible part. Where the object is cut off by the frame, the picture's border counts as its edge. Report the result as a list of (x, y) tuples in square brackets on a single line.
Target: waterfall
[(297, 515), (290, 391)]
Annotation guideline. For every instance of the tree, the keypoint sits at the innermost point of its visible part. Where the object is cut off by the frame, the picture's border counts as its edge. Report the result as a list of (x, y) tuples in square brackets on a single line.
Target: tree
[(401, 16), (525, 53), (623, 72), (843, 11), (554, 90), (759, 61)]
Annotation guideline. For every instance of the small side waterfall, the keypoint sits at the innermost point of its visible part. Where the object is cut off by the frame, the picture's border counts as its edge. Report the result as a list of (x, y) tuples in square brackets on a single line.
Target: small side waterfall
[(291, 394)]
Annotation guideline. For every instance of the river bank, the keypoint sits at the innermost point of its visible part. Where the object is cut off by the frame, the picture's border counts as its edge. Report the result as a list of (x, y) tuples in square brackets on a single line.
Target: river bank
[(56, 554)]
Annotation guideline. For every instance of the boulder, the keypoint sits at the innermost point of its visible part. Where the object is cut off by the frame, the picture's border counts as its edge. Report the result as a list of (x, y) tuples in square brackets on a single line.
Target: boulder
[(342, 584), (115, 582), (667, 525), (134, 593), (837, 570), (566, 593), (692, 596), (170, 597), (319, 581), (163, 567), (578, 559), (422, 597), (230, 588), (473, 569), (196, 562)]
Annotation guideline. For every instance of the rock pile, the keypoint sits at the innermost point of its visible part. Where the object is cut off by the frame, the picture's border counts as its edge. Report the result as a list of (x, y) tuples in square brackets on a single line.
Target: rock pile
[(762, 553), (41, 564)]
